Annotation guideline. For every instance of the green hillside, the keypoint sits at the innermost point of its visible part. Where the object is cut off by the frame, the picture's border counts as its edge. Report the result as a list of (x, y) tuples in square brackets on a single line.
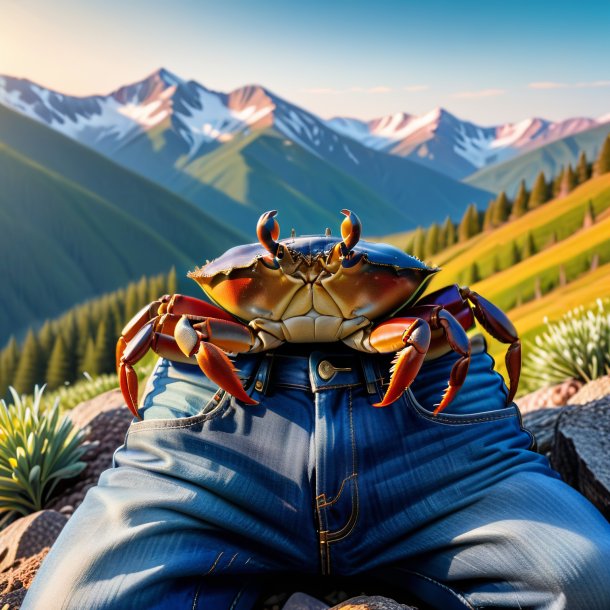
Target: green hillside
[(266, 171), (506, 176), (563, 246), (199, 234)]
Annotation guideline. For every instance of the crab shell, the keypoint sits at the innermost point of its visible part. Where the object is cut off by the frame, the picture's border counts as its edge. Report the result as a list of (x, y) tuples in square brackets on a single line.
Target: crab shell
[(309, 279)]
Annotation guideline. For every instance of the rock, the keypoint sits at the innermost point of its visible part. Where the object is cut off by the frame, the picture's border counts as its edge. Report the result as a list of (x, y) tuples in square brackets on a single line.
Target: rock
[(28, 536), (591, 391), (551, 396), (105, 420), (541, 424), (371, 603), (581, 448), (301, 601), (14, 584)]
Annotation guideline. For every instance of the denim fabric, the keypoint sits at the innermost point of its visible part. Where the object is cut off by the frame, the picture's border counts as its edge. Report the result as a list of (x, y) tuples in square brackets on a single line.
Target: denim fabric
[(206, 495)]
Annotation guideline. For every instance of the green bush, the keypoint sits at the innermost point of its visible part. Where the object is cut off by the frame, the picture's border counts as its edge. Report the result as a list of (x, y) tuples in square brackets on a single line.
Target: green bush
[(575, 347), (37, 451)]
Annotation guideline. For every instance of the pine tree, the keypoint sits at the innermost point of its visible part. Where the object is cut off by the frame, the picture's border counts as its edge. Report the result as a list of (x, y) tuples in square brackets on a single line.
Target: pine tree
[(172, 282), (520, 203), (46, 340), (539, 194), (431, 244), (470, 223), (83, 334), (59, 369), (529, 247), (131, 302), (569, 183), (28, 372), (142, 290), (557, 182), (514, 256), (602, 165), (105, 342), (10, 361), (449, 233), (418, 243), (90, 361), (501, 210), (472, 274), (582, 169), (589, 217), (488, 223)]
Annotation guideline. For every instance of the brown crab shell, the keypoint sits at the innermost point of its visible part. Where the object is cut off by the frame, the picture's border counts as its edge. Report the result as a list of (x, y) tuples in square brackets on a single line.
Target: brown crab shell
[(249, 285)]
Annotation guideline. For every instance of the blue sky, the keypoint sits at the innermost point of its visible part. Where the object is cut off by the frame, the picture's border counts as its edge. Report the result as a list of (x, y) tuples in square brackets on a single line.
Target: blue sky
[(489, 62)]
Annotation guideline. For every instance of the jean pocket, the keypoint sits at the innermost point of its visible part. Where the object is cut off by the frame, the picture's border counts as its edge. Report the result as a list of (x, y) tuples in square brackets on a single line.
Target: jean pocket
[(506, 412), (178, 396)]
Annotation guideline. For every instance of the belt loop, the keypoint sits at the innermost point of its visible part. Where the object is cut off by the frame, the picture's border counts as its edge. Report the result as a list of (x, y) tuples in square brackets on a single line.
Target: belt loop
[(369, 373), (263, 374)]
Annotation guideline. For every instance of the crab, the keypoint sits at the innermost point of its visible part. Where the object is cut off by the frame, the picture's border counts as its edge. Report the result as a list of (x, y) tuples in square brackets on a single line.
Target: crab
[(314, 289)]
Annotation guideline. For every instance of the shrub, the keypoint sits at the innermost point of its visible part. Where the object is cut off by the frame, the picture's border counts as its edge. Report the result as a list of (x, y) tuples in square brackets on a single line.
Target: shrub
[(37, 450), (575, 347)]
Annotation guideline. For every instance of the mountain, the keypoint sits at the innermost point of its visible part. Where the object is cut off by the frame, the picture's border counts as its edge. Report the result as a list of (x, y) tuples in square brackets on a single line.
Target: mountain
[(169, 130), (549, 159), (441, 141), (76, 225)]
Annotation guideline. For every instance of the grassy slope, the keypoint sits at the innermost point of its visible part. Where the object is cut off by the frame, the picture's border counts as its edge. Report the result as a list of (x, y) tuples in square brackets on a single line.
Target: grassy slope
[(563, 216), (266, 171), (550, 158)]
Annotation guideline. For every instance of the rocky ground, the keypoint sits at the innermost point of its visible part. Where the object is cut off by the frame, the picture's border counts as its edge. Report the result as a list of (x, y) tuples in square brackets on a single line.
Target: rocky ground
[(571, 423)]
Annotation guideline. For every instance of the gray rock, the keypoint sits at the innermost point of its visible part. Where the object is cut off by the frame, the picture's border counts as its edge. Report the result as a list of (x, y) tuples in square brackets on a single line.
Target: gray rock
[(301, 601), (581, 448), (375, 602)]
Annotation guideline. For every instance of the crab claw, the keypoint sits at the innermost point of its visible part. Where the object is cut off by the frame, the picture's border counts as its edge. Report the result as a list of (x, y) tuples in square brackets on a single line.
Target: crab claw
[(128, 382), (456, 380), (351, 227), (267, 231), (217, 367), (408, 361)]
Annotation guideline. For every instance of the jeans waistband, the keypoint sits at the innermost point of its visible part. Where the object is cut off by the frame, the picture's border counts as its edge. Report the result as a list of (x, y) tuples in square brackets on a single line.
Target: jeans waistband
[(316, 372)]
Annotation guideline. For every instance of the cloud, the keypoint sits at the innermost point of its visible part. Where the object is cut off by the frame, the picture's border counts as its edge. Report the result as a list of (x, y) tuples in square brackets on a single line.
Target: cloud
[(553, 85), (414, 88), (331, 91), (480, 93)]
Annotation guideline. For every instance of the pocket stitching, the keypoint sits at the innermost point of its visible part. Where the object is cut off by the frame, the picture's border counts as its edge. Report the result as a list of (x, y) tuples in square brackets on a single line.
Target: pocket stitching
[(182, 422)]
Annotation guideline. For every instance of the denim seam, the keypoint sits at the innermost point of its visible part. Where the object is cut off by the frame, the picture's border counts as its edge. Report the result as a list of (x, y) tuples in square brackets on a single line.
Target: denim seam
[(336, 387), (347, 529), (336, 498), (186, 422)]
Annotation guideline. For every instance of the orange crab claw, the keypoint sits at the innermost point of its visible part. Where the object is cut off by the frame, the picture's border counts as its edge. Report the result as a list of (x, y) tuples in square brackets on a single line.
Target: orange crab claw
[(415, 335), (405, 367), (267, 231), (128, 382), (456, 380), (216, 366)]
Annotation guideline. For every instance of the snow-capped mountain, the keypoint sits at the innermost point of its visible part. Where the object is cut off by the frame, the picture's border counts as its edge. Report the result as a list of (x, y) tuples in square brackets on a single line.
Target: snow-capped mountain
[(237, 152), (187, 120), (199, 117), (457, 148)]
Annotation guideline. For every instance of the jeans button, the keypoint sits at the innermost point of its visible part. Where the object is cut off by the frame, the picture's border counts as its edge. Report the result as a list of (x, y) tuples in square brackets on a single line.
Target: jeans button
[(326, 370)]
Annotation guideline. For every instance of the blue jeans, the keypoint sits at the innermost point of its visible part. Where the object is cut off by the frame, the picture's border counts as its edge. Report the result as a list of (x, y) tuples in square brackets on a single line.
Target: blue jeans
[(207, 495)]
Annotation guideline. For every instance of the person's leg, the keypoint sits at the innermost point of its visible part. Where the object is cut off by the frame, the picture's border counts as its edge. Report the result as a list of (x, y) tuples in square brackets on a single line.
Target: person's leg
[(203, 499), (457, 508)]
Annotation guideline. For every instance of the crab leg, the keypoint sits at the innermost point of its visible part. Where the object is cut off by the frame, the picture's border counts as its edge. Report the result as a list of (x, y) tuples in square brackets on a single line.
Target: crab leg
[(205, 339), (460, 343), (497, 324), (132, 353), (413, 336)]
